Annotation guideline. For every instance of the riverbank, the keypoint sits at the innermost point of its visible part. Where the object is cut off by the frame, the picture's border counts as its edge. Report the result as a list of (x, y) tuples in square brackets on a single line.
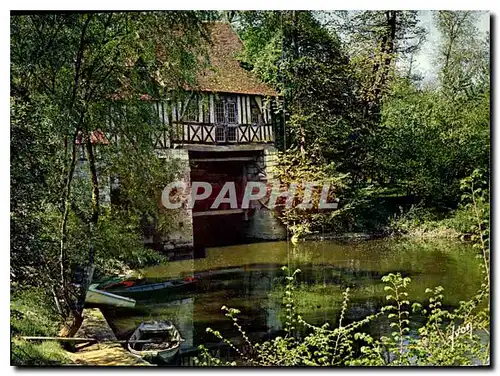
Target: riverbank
[(95, 326), (106, 352)]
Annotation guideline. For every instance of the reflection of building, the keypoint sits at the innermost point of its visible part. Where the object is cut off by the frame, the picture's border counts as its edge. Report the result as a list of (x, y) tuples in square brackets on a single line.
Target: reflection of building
[(183, 320), (273, 309)]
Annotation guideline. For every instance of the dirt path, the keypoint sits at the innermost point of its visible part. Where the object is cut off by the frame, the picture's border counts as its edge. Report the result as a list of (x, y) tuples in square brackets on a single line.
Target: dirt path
[(102, 354), (106, 355)]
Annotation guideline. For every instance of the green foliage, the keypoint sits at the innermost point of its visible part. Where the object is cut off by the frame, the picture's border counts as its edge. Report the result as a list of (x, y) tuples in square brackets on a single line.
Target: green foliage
[(465, 222), (31, 158), (429, 144), (446, 338), (476, 197), (377, 40), (463, 56), (299, 169), (120, 243), (206, 359), (32, 314), (48, 353), (292, 51), (73, 75), (348, 103)]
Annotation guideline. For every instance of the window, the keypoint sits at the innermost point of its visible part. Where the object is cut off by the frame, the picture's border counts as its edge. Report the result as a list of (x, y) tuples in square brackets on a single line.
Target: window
[(232, 112), (220, 134), (231, 134), (255, 112), (226, 110), (220, 112)]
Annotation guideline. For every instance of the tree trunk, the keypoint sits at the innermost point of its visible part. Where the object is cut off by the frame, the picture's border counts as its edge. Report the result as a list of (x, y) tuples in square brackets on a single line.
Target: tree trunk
[(64, 224), (72, 325), (295, 55), (76, 312), (382, 69)]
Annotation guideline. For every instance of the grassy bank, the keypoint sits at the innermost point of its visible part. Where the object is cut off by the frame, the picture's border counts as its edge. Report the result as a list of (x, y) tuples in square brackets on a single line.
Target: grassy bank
[(33, 311), (421, 222), (31, 314)]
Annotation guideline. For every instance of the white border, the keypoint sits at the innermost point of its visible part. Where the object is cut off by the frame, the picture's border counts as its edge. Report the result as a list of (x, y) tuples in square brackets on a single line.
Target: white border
[(189, 4)]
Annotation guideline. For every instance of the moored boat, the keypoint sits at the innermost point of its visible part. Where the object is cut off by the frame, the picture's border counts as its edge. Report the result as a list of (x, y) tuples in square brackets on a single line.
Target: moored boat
[(96, 296), (155, 340), (133, 287)]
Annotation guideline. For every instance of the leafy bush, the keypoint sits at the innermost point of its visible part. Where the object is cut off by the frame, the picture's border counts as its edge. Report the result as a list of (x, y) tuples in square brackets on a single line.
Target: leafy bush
[(119, 245), (459, 337), (295, 168), (422, 221)]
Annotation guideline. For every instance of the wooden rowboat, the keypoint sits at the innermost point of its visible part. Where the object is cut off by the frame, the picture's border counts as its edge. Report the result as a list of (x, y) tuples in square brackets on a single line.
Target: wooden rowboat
[(155, 340), (96, 296)]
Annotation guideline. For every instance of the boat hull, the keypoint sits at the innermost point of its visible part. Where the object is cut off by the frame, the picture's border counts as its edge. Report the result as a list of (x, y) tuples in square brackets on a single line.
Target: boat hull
[(96, 296), (154, 290), (165, 331)]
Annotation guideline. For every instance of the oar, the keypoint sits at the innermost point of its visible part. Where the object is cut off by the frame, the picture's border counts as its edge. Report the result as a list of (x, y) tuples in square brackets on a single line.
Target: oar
[(76, 339)]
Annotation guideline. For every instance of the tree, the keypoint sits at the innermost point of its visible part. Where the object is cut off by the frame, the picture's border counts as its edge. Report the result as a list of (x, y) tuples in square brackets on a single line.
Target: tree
[(433, 137), (305, 62), (377, 39), (463, 55), (74, 68)]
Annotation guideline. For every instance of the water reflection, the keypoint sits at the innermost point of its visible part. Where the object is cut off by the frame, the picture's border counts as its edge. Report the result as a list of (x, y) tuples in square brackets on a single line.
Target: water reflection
[(249, 278)]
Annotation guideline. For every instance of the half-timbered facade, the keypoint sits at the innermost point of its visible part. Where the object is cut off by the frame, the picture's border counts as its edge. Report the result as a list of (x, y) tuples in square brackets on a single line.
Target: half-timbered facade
[(224, 129), (216, 118), (229, 105)]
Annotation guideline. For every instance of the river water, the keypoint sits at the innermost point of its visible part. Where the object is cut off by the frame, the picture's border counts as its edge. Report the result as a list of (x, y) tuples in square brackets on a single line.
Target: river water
[(250, 278)]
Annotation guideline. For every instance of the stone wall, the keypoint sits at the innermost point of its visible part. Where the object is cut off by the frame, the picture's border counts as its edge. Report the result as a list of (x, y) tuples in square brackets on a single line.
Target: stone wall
[(180, 233), (262, 223), (259, 222)]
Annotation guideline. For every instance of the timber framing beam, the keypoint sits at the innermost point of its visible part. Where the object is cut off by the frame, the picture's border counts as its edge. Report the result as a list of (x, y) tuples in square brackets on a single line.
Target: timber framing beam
[(221, 148), (218, 212), (226, 159)]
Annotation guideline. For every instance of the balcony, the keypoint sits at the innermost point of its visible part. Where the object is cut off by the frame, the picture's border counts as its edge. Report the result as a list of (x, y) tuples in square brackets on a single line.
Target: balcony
[(215, 120), (186, 133)]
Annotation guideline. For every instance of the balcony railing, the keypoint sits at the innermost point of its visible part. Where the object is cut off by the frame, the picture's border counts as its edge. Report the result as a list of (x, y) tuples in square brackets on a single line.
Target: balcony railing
[(203, 133)]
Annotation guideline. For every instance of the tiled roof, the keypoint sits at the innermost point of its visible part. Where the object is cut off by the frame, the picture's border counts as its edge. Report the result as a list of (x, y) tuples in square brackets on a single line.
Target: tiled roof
[(225, 73)]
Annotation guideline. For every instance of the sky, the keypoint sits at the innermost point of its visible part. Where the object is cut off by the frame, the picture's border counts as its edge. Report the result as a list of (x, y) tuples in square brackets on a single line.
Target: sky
[(424, 58), (423, 63)]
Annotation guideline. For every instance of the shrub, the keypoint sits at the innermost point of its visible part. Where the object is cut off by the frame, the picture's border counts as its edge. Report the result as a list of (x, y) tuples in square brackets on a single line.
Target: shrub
[(460, 337)]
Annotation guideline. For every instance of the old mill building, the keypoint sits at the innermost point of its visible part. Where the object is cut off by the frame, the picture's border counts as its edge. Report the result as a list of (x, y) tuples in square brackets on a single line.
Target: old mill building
[(222, 131)]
